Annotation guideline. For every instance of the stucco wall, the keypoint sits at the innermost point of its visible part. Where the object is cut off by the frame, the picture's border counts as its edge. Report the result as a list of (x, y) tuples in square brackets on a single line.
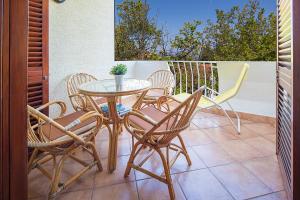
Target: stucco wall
[(81, 39)]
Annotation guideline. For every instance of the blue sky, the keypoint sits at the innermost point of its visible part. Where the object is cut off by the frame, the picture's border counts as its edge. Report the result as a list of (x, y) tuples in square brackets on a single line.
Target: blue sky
[(173, 13)]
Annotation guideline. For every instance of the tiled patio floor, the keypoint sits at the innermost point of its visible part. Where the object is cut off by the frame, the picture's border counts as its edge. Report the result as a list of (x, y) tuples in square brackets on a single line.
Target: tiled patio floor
[(224, 166)]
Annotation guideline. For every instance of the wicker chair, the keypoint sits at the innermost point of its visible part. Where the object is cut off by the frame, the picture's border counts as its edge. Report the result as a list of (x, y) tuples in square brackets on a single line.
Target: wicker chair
[(162, 82), (79, 102), (58, 139), (156, 129)]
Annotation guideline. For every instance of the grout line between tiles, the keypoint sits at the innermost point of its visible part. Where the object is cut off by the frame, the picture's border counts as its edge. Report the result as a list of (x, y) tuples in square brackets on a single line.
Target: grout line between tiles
[(185, 196), (241, 164), (265, 194), (136, 185), (221, 183)]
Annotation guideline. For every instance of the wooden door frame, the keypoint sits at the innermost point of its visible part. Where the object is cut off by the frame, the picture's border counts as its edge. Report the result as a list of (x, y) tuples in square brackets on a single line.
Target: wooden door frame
[(13, 91)]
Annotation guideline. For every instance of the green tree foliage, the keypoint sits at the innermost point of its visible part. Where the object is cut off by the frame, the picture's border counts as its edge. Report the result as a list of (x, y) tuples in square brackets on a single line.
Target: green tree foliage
[(136, 34), (241, 34), (188, 42), (238, 34)]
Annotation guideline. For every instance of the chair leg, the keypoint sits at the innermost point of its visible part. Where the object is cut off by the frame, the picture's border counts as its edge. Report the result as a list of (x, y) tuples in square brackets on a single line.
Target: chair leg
[(31, 160), (167, 174), (96, 156), (187, 157), (56, 177), (130, 161), (236, 126)]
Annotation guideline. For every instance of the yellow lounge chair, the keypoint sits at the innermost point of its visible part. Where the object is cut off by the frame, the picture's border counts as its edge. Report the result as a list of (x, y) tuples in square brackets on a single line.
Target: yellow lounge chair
[(224, 97)]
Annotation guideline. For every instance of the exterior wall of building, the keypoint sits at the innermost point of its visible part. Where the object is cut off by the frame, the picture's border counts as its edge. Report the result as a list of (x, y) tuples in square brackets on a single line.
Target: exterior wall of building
[(81, 39)]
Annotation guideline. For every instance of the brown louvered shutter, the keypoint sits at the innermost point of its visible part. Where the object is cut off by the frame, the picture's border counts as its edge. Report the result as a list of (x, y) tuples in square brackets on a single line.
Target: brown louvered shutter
[(288, 80), (38, 53)]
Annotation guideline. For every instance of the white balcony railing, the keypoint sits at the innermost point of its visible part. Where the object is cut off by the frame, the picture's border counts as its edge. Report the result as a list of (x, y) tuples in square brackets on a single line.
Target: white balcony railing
[(191, 75)]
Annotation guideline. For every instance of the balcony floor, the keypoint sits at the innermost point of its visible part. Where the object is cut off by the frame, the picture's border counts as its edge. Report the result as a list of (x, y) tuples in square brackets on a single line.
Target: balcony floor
[(224, 166)]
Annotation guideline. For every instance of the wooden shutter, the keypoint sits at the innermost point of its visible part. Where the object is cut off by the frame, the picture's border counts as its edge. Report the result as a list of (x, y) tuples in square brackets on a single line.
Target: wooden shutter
[(38, 53), (288, 144)]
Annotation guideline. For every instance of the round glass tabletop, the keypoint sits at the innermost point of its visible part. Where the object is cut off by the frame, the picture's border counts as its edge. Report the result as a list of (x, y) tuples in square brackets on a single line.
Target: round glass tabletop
[(108, 87)]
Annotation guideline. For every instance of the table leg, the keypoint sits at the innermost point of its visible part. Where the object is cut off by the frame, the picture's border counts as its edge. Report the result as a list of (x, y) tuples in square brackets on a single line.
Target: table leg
[(113, 143)]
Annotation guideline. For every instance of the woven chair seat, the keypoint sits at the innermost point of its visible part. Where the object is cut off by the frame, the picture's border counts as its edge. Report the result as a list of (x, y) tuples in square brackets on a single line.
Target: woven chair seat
[(154, 94), (53, 133), (155, 114)]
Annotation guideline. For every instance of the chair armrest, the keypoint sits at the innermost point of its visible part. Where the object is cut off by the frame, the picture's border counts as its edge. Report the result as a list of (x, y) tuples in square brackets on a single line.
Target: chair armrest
[(165, 100), (61, 104), (142, 116), (213, 91), (133, 130), (81, 99)]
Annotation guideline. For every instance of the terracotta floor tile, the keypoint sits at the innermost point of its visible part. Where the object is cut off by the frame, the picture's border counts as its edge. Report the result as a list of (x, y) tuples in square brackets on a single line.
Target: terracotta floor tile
[(240, 182), (38, 185), (245, 132), (195, 137), (86, 181), (81, 154), (151, 189), (103, 134), (155, 165), (220, 134), (213, 155), (261, 128), (211, 142), (199, 115), (125, 191), (105, 179), (270, 137), (221, 120), (125, 134), (267, 170), (240, 150), (274, 196), (192, 127), (181, 164), (78, 195), (202, 185), (264, 146), (204, 123), (124, 147)]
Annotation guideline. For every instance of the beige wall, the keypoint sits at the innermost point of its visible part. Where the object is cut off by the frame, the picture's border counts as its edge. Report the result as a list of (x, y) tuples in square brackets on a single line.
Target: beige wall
[(81, 39)]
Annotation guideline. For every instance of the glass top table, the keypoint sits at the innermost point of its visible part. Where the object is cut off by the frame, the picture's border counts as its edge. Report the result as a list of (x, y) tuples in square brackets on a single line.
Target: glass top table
[(105, 88), (112, 92)]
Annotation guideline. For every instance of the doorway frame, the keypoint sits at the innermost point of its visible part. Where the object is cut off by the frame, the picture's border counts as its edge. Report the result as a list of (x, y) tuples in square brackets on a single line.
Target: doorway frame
[(13, 92)]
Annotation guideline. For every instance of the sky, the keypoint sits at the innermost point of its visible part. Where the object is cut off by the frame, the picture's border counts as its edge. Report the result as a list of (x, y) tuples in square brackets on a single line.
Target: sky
[(172, 14)]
